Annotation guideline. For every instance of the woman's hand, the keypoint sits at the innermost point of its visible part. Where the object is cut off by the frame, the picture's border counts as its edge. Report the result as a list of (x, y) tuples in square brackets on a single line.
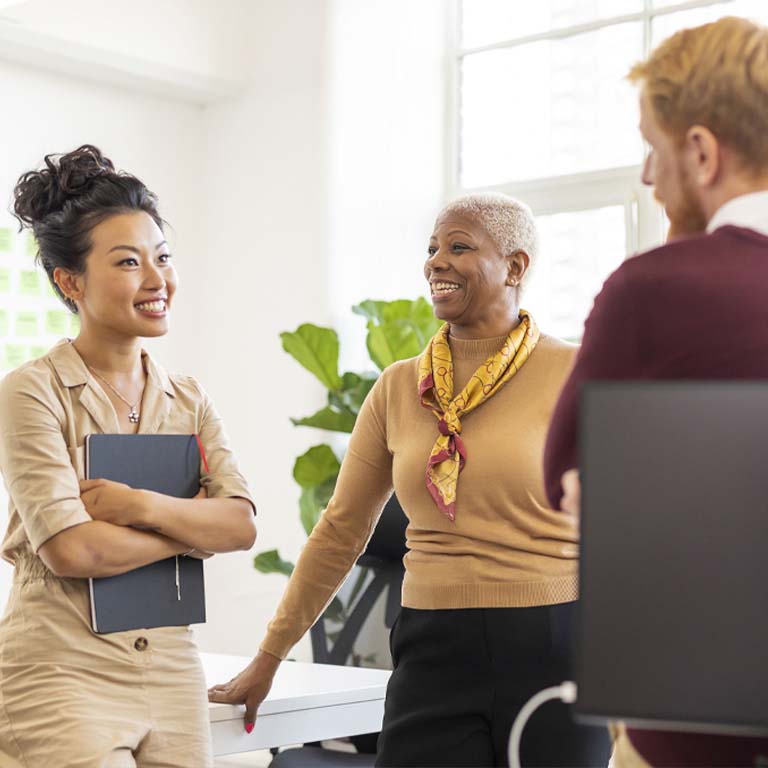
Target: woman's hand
[(120, 504), (112, 502), (250, 687), (571, 501)]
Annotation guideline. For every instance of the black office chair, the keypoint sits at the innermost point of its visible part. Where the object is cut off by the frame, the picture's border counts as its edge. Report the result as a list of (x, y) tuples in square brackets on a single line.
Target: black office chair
[(384, 558)]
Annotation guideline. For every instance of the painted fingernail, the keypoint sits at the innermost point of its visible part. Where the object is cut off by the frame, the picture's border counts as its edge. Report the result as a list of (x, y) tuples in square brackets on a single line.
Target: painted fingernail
[(248, 727)]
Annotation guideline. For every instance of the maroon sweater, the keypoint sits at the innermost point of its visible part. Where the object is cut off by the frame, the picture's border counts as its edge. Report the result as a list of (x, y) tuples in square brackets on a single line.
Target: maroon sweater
[(694, 309)]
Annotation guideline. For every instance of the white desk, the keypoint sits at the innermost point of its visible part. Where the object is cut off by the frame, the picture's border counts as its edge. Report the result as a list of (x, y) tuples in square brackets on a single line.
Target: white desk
[(308, 702)]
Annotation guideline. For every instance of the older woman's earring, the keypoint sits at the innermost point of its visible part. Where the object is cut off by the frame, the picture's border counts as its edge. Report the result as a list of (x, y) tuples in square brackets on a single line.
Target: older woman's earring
[(513, 281)]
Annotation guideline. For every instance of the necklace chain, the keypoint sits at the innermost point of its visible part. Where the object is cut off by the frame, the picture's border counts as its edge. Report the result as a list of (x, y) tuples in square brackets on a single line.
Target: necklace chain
[(133, 415)]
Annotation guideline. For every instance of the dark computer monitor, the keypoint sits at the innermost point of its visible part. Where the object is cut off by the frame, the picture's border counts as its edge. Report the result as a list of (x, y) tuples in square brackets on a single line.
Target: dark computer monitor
[(673, 619)]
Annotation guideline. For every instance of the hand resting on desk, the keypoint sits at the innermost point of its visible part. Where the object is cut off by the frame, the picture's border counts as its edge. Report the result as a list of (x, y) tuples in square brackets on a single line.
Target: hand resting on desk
[(250, 687)]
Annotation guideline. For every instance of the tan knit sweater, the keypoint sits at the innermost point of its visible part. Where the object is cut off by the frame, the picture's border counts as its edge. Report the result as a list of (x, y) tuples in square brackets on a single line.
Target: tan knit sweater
[(506, 548)]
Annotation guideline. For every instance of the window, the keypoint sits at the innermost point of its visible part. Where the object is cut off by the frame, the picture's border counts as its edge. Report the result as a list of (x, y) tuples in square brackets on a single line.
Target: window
[(582, 248), (32, 318), (544, 113)]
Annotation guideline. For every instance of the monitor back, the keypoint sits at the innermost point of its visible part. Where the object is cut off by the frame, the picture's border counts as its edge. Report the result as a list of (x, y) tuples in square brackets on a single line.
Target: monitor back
[(673, 619)]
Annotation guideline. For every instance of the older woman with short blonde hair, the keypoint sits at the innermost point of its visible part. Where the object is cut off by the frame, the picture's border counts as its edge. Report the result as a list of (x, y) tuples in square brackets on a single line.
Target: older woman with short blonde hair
[(491, 571)]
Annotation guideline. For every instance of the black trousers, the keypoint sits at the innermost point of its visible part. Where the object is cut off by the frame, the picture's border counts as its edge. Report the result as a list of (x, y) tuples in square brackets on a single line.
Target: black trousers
[(461, 676)]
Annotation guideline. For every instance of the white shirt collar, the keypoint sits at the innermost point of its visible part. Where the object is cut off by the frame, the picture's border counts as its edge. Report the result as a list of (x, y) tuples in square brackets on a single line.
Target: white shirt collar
[(749, 211)]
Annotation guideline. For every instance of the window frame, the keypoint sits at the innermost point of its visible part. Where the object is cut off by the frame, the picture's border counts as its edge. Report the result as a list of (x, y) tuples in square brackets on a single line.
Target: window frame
[(644, 218)]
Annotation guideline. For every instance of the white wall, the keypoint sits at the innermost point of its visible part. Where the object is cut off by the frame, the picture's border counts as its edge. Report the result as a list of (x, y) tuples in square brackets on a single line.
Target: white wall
[(243, 185), (387, 170), (324, 181), (43, 113), (264, 270), (209, 38), (313, 189)]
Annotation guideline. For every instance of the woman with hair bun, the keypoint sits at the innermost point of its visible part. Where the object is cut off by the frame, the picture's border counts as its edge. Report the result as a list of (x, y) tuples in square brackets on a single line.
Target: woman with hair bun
[(491, 572), (69, 696)]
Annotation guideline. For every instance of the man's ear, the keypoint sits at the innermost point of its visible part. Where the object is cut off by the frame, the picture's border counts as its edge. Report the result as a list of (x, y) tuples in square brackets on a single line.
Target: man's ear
[(704, 154), (70, 284), (517, 265)]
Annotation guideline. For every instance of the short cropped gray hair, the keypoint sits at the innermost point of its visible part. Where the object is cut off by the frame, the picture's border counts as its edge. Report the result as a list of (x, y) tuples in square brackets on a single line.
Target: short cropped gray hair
[(509, 222)]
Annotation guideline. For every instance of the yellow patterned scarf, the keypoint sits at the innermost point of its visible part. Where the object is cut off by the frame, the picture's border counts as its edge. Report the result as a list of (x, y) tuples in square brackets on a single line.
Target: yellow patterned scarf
[(436, 392)]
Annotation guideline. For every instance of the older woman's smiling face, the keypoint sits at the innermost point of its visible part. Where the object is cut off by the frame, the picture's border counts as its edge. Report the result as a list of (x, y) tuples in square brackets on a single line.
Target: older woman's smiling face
[(473, 286)]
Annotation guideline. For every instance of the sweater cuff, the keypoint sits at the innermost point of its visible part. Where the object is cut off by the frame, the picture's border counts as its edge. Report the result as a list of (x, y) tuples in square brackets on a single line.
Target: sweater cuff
[(276, 647)]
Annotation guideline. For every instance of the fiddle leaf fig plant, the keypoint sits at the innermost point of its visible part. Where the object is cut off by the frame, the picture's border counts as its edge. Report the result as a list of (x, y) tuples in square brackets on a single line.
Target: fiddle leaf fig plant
[(317, 349), (396, 330), (316, 472)]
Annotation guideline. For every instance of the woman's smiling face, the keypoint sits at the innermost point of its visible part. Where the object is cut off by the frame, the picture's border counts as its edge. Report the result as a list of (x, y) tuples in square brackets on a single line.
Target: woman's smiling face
[(473, 286), (129, 281)]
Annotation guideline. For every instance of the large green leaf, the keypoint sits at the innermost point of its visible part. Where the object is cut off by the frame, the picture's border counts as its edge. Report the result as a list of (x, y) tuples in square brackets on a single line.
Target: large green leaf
[(317, 349), (397, 329), (417, 310), (313, 502), (271, 562), (371, 310), (315, 467), (391, 342), (387, 311), (334, 419), (343, 404), (424, 321), (401, 309), (309, 509), (350, 380), (354, 390), (417, 314), (324, 491)]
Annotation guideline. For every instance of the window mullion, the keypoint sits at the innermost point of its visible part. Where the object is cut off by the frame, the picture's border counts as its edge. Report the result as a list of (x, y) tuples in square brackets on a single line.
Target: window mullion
[(647, 13), (453, 91), (553, 34), (686, 6), (580, 191), (650, 218)]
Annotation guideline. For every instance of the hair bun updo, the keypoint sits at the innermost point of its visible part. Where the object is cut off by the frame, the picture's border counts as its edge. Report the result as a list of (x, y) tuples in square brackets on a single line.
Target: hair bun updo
[(64, 177), (70, 195)]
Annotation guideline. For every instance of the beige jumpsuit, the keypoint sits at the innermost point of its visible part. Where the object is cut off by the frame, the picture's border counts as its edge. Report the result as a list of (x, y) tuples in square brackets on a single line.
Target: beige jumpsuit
[(70, 697)]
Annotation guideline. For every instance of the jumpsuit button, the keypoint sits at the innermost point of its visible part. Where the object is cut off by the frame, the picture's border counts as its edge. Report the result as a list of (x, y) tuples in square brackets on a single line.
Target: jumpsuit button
[(141, 644)]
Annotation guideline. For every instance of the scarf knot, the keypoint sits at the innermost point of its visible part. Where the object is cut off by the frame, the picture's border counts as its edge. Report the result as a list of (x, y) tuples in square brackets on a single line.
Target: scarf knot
[(449, 455), (449, 423)]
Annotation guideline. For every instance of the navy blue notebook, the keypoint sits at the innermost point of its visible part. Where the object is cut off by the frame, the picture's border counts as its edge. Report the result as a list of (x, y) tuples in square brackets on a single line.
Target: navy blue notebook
[(169, 592)]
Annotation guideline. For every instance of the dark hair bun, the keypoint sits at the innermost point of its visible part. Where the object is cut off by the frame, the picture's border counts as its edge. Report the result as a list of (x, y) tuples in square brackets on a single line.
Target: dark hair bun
[(64, 177)]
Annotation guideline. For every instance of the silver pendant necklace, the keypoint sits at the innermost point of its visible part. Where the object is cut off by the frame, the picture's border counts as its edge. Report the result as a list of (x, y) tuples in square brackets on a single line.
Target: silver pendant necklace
[(133, 413)]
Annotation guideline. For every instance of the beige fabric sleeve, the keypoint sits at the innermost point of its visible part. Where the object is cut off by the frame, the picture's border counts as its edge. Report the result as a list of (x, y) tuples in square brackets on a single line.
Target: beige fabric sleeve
[(223, 479), (34, 459), (343, 531)]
